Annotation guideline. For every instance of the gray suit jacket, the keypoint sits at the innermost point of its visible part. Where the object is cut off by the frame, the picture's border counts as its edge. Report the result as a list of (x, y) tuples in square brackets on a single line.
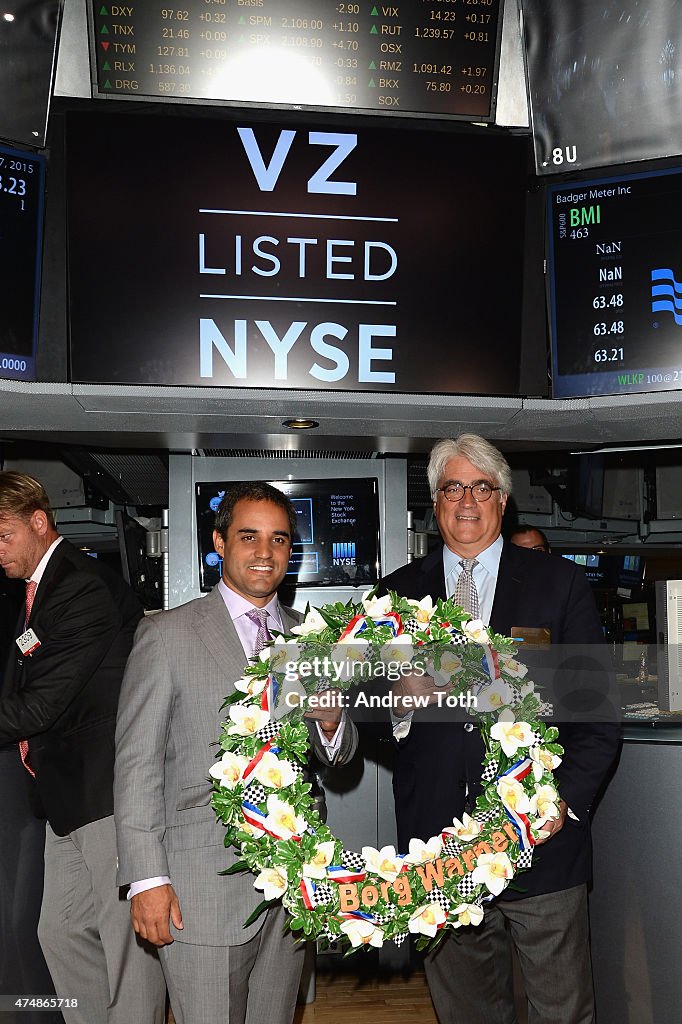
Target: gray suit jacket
[(183, 664)]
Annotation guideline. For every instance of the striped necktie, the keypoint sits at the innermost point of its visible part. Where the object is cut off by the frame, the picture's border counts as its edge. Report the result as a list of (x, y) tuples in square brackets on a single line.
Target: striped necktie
[(31, 587), (259, 617), (466, 594)]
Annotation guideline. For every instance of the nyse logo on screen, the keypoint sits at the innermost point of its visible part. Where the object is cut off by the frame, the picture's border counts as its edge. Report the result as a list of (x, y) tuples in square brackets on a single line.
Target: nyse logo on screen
[(343, 552)]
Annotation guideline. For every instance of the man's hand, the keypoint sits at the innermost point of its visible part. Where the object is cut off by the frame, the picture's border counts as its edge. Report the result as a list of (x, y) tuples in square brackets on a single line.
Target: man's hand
[(554, 825), (327, 716), (152, 910), (410, 686)]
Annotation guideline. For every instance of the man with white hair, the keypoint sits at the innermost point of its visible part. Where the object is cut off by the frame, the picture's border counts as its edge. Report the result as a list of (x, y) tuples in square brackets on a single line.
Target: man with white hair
[(438, 764)]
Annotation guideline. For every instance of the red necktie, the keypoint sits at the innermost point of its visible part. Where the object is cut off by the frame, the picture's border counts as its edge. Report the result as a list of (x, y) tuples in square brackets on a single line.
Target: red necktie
[(31, 587)]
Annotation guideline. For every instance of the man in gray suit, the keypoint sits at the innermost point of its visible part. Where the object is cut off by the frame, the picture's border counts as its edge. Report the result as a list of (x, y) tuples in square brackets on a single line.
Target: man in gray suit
[(170, 848)]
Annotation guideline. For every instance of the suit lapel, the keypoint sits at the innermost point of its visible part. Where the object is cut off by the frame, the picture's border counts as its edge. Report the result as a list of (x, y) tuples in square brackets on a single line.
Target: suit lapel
[(507, 592), (433, 575), (216, 631)]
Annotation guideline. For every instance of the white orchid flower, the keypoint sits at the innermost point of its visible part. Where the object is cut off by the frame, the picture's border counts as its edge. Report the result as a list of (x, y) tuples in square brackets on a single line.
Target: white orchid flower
[(229, 769), (476, 630), (377, 607), (384, 862), (466, 829), (400, 648), (420, 852), (427, 919), (510, 734), (273, 882), (493, 697), (313, 623), (494, 870), (282, 653), (513, 795), (251, 830), (247, 719), (345, 654), (423, 610), (511, 666), (362, 932), (275, 772), (544, 803), (467, 913), (250, 685), (543, 761), (322, 858), (282, 819)]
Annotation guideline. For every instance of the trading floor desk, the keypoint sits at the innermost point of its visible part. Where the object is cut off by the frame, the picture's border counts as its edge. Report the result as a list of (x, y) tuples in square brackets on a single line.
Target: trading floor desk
[(636, 902)]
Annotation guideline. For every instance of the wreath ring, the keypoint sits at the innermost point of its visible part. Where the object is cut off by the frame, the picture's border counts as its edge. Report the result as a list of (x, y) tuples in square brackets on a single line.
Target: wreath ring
[(260, 794)]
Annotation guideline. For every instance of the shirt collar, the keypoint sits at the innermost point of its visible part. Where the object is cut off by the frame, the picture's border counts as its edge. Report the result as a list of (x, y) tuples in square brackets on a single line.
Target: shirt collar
[(37, 574), (489, 559), (238, 605)]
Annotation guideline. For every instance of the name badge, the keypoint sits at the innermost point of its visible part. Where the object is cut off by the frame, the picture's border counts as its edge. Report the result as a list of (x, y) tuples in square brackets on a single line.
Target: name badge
[(28, 642)]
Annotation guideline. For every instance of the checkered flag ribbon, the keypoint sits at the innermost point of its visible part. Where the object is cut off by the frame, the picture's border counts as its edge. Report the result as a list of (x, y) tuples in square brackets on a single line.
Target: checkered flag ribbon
[(490, 772), (385, 918), (485, 816), (466, 887), (525, 859), (269, 731), (452, 846), (352, 861), (438, 896), (399, 939), (323, 895), (255, 793)]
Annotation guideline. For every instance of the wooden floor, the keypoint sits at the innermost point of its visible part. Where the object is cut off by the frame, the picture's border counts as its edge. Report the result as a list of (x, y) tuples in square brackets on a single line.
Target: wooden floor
[(351, 997)]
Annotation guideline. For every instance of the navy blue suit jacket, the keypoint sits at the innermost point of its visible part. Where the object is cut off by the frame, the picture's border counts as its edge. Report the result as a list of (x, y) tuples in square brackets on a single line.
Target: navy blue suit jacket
[(436, 761)]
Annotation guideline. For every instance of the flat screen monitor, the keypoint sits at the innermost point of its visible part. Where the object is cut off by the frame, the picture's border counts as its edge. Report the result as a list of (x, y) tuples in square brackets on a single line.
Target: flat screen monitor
[(435, 59), (631, 571), (603, 81), (22, 177), (285, 255), (615, 284), (28, 52), (337, 538), (600, 570)]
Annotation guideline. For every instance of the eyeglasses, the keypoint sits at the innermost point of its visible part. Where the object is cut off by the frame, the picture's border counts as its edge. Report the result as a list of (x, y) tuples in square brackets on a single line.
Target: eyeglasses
[(480, 490)]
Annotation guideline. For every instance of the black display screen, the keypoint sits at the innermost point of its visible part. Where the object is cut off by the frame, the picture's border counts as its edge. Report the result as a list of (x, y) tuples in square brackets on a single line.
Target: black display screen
[(337, 540), (28, 51), (435, 57), (21, 226), (283, 256), (615, 265), (603, 81)]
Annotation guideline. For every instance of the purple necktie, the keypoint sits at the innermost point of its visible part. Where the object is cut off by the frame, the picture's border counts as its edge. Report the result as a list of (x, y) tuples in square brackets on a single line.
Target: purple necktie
[(259, 617)]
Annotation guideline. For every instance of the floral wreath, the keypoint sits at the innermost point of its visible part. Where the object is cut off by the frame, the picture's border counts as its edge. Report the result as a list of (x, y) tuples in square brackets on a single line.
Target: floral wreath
[(260, 794)]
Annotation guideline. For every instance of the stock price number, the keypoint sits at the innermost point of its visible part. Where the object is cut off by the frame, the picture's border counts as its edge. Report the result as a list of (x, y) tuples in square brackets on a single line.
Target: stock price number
[(615, 327), (14, 186), (603, 301), (609, 355)]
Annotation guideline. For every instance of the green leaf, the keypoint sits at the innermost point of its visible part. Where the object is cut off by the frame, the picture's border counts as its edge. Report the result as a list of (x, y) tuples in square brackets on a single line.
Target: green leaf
[(260, 909)]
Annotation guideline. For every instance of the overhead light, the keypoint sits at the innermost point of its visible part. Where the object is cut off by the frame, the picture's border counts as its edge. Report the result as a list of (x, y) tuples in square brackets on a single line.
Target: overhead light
[(626, 448), (300, 423)]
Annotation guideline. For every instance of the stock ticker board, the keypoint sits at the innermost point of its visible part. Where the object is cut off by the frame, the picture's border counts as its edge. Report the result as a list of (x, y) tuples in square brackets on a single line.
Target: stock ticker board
[(433, 58)]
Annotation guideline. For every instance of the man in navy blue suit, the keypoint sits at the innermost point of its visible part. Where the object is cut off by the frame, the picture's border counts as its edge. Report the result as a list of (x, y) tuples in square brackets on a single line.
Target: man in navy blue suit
[(437, 767)]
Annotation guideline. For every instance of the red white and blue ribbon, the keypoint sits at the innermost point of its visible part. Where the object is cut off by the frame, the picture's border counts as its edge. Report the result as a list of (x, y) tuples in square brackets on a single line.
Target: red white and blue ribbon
[(337, 873), (358, 624), (491, 664), (519, 771), (255, 761), (256, 817)]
